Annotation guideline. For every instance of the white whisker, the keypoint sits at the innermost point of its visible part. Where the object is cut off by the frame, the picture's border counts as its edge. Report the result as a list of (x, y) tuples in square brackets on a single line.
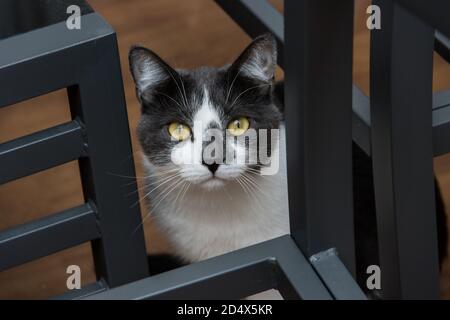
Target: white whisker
[(184, 193), (166, 95), (231, 86), (251, 88), (146, 185), (184, 90), (178, 86), (176, 183), (255, 193), (254, 182), (166, 180), (179, 192)]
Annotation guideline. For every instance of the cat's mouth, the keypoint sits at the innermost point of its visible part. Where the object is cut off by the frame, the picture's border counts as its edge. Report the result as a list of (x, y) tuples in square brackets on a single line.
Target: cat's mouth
[(213, 183)]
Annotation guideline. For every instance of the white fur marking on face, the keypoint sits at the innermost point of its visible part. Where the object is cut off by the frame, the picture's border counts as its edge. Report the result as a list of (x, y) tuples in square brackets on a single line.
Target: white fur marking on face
[(207, 113), (187, 154)]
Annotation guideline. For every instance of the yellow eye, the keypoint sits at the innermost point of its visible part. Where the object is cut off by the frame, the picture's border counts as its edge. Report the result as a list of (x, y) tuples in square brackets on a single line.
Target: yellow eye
[(238, 126), (179, 131)]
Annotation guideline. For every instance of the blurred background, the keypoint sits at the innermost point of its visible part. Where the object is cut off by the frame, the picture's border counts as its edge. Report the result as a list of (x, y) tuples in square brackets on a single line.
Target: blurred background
[(187, 34)]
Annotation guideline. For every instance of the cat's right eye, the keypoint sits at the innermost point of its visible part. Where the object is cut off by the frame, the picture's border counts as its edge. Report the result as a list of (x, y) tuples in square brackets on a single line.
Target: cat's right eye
[(179, 131)]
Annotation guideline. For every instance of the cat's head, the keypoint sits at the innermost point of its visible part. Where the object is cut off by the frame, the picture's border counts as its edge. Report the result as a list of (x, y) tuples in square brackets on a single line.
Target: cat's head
[(205, 124)]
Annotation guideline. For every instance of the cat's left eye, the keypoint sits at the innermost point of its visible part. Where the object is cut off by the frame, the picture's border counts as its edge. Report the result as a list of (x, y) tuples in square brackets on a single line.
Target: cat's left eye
[(238, 126), (179, 131)]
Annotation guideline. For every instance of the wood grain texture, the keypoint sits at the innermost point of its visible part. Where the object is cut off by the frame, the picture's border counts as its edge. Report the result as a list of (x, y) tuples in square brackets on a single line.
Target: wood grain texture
[(187, 34)]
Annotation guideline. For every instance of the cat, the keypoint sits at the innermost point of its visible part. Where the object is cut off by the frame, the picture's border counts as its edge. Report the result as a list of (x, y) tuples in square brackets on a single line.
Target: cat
[(207, 208), (210, 209)]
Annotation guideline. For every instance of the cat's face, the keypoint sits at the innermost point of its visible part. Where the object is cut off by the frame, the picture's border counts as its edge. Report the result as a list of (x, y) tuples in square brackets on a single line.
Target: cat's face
[(204, 125)]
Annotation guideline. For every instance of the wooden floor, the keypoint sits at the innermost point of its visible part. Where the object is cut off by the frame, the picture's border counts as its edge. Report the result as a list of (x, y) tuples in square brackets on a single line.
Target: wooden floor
[(187, 34)]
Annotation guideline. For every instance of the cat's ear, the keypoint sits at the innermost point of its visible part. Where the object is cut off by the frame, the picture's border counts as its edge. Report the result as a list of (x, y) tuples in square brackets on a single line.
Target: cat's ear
[(259, 59), (148, 69)]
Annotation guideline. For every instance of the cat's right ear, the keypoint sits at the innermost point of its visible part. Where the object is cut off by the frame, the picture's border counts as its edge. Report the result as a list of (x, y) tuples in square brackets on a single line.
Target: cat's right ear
[(148, 69)]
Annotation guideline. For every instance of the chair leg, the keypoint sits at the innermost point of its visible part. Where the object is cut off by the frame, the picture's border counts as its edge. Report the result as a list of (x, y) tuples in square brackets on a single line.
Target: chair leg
[(98, 100), (402, 152)]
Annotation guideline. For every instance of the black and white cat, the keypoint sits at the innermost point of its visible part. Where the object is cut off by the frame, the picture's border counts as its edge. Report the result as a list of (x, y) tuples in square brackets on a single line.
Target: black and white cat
[(210, 209), (207, 208)]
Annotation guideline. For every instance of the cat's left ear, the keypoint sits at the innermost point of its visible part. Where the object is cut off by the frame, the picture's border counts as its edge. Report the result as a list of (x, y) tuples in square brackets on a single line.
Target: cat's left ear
[(259, 59), (148, 69)]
